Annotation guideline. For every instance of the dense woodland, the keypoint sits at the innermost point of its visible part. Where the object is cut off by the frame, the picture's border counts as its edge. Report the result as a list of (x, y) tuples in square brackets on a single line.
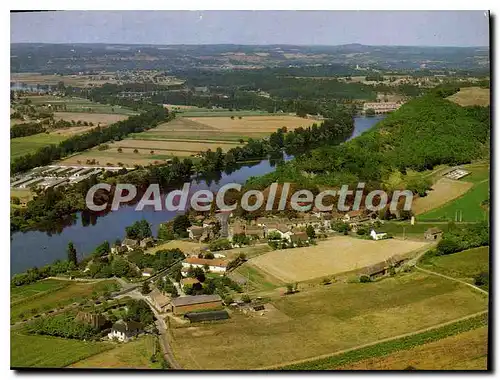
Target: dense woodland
[(425, 132)]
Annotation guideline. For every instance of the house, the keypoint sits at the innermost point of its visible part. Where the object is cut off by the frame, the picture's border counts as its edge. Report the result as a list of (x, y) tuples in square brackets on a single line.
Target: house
[(183, 305), (299, 237), (117, 249), (433, 233), (354, 216), (214, 265), (159, 300), (378, 236), (282, 230), (203, 316), (131, 244), (123, 331), (254, 231), (188, 282), (147, 272), (147, 242), (377, 270), (195, 232)]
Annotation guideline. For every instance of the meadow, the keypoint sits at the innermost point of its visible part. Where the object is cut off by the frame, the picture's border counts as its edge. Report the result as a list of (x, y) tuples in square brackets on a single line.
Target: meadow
[(49, 352), (336, 255), (324, 320), (34, 299), (30, 144), (471, 96), (464, 265), (133, 355)]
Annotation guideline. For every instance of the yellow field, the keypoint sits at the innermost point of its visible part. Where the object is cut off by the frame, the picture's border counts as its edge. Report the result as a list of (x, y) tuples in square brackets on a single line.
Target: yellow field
[(265, 124), (443, 191), (465, 351), (183, 245), (323, 321), (103, 118), (336, 255), (471, 96), (177, 148)]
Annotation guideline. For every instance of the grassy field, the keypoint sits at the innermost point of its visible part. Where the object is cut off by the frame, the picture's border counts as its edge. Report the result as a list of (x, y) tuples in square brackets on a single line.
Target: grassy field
[(256, 280), (29, 144), (33, 299), (469, 204), (464, 265), (50, 352), (335, 255), (325, 320), (471, 96), (184, 245), (443, 191), (135, 354), (465, 351)]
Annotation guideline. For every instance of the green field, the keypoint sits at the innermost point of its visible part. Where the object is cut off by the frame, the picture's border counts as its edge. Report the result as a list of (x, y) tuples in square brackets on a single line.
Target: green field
[(19, 293), (49, 352), (324, 320), (31, 300), (30, 144), (80, 105), (256, 279), (468, 204), (464, 265), (405, 228)]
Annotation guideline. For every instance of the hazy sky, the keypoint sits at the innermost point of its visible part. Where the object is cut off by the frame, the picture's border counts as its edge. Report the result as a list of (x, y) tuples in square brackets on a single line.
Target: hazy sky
[(437, 28)]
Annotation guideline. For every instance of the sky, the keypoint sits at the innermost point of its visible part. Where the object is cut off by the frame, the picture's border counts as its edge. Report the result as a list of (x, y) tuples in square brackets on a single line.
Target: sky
[(415, 28)]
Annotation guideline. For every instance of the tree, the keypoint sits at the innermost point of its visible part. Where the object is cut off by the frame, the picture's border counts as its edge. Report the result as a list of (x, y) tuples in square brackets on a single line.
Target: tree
[(136, 151), (180, 224), (72, 257), (145, 288), (246, 298), (310, 232), (139, 230), (120, 150)]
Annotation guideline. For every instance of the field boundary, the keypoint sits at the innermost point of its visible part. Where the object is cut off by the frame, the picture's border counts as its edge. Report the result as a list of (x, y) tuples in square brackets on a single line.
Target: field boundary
[(373, 344), (452, 279)]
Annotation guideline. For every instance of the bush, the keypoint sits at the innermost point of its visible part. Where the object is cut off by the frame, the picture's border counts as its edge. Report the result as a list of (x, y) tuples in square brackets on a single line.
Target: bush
[(364, 278), (246, 298)]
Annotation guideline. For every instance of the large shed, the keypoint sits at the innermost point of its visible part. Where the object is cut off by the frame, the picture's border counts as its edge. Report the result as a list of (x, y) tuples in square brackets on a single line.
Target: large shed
[(183, 305)]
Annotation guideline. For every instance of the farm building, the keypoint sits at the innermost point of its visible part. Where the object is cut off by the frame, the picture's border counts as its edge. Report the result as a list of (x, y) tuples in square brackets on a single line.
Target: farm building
[(299, 237), (131, 244), (214, 265), (216, 315), (123, 331), (281, 229), (188, 282), (183, 305), (382, 107), (354, 216), (457, 174), (147, 272), (433, 233), (160, 301), (378, 236), (376, 270), (147, 242), (195, 232)]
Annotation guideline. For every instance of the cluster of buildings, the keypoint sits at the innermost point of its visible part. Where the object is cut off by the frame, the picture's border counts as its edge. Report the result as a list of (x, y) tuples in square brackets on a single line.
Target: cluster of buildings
[(382, 107), (54, 176)]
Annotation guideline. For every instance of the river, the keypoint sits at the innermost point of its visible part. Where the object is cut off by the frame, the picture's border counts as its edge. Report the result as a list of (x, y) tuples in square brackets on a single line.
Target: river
[(35, 248)]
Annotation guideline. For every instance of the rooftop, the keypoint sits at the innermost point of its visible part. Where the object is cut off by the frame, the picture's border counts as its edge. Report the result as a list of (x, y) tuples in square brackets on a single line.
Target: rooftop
[(194, 300)]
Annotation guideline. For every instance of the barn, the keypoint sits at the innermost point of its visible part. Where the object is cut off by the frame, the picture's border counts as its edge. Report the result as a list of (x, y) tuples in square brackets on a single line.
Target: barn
[(183, 305)]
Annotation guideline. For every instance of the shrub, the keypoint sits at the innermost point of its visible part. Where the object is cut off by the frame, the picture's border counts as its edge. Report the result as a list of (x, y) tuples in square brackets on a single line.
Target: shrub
[(364, 278)]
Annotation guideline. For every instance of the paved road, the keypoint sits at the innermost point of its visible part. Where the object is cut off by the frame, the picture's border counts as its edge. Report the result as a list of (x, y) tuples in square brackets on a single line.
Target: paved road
[(374, 343)]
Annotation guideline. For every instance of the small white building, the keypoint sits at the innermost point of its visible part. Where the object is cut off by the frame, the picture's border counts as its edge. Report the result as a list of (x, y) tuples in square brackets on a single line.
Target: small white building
[(214, 265), (282, 230), (378, 236), (123, 331)]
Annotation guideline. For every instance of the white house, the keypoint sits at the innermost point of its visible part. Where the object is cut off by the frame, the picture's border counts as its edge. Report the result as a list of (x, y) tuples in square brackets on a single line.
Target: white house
[(376, 236), (282, 230), (123, 331), (214, 265)]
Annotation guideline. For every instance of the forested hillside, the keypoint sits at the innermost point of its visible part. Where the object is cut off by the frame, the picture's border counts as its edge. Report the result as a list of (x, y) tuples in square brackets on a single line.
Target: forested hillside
[(425, 132)]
